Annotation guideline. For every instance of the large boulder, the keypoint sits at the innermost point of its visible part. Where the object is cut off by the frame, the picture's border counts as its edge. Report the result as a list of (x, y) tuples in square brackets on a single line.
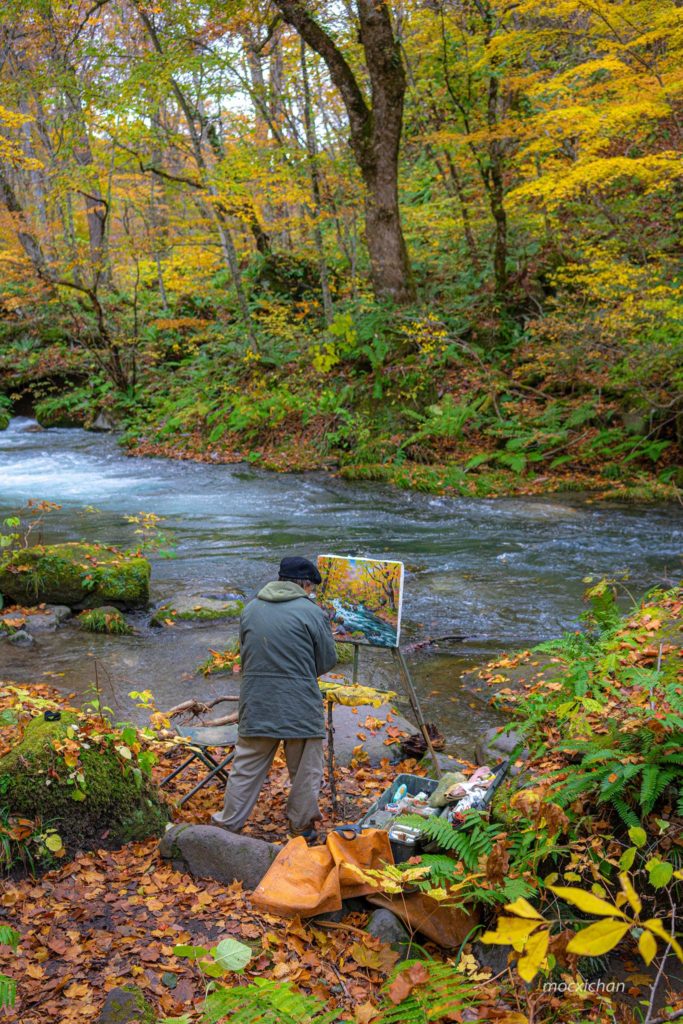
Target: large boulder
[(206, 851), (77, 575), (84, 781)]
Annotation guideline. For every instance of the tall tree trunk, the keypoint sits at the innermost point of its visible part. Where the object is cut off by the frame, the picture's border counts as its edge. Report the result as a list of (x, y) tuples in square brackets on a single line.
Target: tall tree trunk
[(375, 130), (390, 268), (312, 150), (497, 196), (27, 239)]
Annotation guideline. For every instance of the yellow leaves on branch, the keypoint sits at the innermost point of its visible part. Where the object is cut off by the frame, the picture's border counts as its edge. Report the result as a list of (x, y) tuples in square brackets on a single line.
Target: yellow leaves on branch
[(11, 151), (526, 933), (654, 172)]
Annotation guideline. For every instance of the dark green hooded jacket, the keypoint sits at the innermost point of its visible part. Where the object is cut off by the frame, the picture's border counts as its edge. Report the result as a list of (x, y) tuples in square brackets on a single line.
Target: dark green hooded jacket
[(285, 643)]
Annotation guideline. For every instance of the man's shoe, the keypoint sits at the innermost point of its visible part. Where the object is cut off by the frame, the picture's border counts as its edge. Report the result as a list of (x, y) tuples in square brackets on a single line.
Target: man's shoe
[(309, 834)]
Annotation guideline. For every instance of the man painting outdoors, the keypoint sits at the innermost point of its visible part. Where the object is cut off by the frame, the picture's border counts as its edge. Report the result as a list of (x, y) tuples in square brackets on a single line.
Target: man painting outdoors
[(285, 644)]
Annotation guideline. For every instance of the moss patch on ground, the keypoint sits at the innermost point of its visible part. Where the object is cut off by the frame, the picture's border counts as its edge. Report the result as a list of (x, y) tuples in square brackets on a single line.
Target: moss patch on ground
[(77, 575)]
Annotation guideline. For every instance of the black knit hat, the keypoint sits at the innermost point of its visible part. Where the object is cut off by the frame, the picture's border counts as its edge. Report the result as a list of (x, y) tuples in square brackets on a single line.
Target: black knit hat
[(297, 568)]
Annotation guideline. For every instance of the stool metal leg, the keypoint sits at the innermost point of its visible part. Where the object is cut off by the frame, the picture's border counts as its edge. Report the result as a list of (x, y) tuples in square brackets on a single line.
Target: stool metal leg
[(178, 770), (212, 774)]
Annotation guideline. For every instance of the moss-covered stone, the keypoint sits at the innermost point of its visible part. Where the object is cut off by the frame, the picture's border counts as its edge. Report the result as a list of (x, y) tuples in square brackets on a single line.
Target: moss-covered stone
[(120, 805), (104, 620), (196, 608), (77, 575), (126, 1005)]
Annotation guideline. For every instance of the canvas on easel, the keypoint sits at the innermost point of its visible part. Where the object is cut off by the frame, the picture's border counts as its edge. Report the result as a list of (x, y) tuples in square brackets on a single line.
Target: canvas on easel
[(363, 597)]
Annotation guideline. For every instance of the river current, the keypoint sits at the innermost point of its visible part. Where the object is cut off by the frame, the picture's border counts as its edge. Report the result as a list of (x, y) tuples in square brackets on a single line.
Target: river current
[(502, 573)]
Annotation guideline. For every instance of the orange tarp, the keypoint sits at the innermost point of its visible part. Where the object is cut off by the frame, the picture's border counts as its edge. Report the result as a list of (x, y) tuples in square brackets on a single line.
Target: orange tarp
[(309, 880)]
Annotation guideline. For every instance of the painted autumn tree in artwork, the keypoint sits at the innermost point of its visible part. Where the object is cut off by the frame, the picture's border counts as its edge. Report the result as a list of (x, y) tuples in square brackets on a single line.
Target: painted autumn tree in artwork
[(363, 597)]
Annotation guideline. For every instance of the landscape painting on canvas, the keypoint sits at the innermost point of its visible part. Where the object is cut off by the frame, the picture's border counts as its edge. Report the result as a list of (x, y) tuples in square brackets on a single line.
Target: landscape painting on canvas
[(363, 597)]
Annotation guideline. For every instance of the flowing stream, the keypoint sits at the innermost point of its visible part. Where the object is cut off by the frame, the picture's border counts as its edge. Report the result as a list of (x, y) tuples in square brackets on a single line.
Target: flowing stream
[(502, 574)]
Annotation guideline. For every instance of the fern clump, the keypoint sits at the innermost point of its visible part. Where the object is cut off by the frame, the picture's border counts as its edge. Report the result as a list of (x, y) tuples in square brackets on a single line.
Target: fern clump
[(607, 724), (104, 620)]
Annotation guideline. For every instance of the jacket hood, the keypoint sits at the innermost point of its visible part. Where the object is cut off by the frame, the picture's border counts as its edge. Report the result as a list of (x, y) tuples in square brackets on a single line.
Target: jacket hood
[(281, 590)]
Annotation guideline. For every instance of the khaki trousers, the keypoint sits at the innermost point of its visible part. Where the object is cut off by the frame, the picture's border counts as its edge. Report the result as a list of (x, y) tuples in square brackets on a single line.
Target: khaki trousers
[(253, 758)]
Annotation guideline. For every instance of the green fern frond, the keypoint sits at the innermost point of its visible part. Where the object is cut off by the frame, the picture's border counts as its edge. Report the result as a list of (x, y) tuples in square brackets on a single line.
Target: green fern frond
[(626, 813), (267, 1002), (446, 994), (435, 829), (659, 781), (8, 991), (624, 773), (9, 937), (441, 869)]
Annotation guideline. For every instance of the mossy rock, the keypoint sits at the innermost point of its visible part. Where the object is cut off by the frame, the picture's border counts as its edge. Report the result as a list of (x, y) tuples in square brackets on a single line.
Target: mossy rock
[(196, 608), (77, 575), (104, 620), (126, 1005), (121, 805)]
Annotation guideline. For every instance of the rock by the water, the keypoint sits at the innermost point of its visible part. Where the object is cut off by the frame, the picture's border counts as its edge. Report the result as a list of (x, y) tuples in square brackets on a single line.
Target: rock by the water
[(197, 608), (126, 1005), (103, 422), (77, 575), (21, 638), (498, 743), (106, 619), (117, 804), (446, 763), (44, 620), (210, 852)]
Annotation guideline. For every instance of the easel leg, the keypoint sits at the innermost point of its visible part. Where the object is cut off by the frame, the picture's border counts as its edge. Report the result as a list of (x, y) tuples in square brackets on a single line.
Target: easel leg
[(330, 758), (415, 705)]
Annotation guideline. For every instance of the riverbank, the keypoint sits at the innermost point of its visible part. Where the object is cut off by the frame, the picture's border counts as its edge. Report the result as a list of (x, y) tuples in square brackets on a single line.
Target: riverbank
[(385, 396), (303, 453), (597, 800)]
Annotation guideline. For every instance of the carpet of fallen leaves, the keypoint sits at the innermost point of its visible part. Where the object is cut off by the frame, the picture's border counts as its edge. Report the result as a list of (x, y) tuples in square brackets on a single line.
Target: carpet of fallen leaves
[(112, 917)]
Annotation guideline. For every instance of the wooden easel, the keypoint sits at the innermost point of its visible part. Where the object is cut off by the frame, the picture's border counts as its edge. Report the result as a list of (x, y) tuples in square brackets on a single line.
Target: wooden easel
[(404, 672)]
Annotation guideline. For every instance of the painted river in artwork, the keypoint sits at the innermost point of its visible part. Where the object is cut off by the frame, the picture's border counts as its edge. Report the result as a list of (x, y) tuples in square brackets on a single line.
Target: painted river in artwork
[(500, 574)]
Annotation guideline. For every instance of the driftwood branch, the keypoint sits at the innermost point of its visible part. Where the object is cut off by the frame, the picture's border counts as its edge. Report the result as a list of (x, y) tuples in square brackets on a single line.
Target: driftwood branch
[(226, 720), (197, 708)]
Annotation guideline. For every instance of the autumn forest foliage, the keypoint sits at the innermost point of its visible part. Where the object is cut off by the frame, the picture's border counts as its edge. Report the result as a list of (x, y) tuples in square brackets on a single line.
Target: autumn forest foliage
[(434, 243)]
